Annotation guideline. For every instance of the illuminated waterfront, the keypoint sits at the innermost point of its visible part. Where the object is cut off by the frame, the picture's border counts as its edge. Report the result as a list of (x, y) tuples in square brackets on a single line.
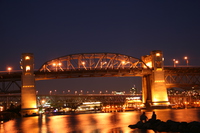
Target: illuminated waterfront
[(116, 122)]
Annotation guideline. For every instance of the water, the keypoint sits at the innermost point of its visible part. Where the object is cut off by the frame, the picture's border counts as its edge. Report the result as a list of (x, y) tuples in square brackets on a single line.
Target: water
[(94, 123)]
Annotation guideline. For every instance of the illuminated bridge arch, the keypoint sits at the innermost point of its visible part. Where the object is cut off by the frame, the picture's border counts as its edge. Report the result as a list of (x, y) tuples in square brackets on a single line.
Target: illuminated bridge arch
[(92, 61)]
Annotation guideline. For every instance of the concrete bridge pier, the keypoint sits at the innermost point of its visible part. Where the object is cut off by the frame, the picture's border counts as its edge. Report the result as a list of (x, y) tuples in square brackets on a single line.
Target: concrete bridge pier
[(28, 92), (146, 90), (154, 88)]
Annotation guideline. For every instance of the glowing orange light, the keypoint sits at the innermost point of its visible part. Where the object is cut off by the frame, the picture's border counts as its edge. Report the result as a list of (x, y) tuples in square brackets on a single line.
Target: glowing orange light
[(28, 68), (157, 54), (159, 81), (43, 101), (27, 58), (123, 62), (149, 64)]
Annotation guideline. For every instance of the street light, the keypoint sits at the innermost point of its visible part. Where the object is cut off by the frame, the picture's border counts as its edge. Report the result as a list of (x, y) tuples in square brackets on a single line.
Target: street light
[(9, 69), (187, 61), (175, 62)]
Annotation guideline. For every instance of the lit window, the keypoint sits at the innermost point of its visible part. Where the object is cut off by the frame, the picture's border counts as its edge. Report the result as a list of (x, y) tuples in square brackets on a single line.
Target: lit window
[(27, 58), (28, 68), (157, 54)]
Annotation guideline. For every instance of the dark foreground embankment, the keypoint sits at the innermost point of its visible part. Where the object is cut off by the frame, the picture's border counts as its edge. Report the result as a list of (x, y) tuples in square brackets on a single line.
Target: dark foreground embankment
[(169, 126)]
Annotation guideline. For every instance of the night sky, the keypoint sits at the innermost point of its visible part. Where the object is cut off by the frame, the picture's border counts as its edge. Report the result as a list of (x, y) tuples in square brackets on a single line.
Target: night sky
[(54, 28)]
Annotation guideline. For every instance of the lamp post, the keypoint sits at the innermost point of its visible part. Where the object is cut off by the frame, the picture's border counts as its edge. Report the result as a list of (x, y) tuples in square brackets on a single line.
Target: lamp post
[(9, 69), (187, 61), (175, 62)]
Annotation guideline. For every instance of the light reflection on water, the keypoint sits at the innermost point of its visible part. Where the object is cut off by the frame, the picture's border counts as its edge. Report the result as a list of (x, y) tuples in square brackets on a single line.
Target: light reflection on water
[(93, 123)]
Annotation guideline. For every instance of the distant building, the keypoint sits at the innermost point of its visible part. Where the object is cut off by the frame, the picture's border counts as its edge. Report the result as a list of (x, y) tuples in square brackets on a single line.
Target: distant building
[(118, 92), (133, 90)]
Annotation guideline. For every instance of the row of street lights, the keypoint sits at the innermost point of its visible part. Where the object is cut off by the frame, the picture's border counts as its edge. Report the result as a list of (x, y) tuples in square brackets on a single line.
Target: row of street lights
[(176, 61), (81, 92)]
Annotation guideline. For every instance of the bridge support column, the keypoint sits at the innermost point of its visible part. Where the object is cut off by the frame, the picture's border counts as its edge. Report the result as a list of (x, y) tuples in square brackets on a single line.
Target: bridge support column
[(154, 88), (158, 87), (28, 92), (146, 90)]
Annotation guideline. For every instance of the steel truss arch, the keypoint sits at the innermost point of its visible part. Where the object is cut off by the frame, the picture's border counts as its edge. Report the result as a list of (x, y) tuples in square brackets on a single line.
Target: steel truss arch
[(92, 61)]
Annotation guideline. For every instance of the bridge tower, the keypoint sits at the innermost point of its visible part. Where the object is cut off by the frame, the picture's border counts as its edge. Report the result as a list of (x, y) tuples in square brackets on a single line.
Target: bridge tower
[(28, 92), (154, 88)]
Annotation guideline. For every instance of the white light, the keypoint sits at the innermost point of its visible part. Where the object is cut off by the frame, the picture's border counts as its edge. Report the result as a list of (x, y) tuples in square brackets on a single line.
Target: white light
[(185, 57), (9, 68)]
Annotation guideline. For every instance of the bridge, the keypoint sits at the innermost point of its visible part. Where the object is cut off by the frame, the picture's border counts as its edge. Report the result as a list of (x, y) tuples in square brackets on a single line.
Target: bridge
[(155, 77)]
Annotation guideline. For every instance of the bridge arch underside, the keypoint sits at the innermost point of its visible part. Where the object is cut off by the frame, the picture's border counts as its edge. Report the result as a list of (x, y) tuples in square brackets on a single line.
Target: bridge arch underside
[(92, 61), (92, 65)]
